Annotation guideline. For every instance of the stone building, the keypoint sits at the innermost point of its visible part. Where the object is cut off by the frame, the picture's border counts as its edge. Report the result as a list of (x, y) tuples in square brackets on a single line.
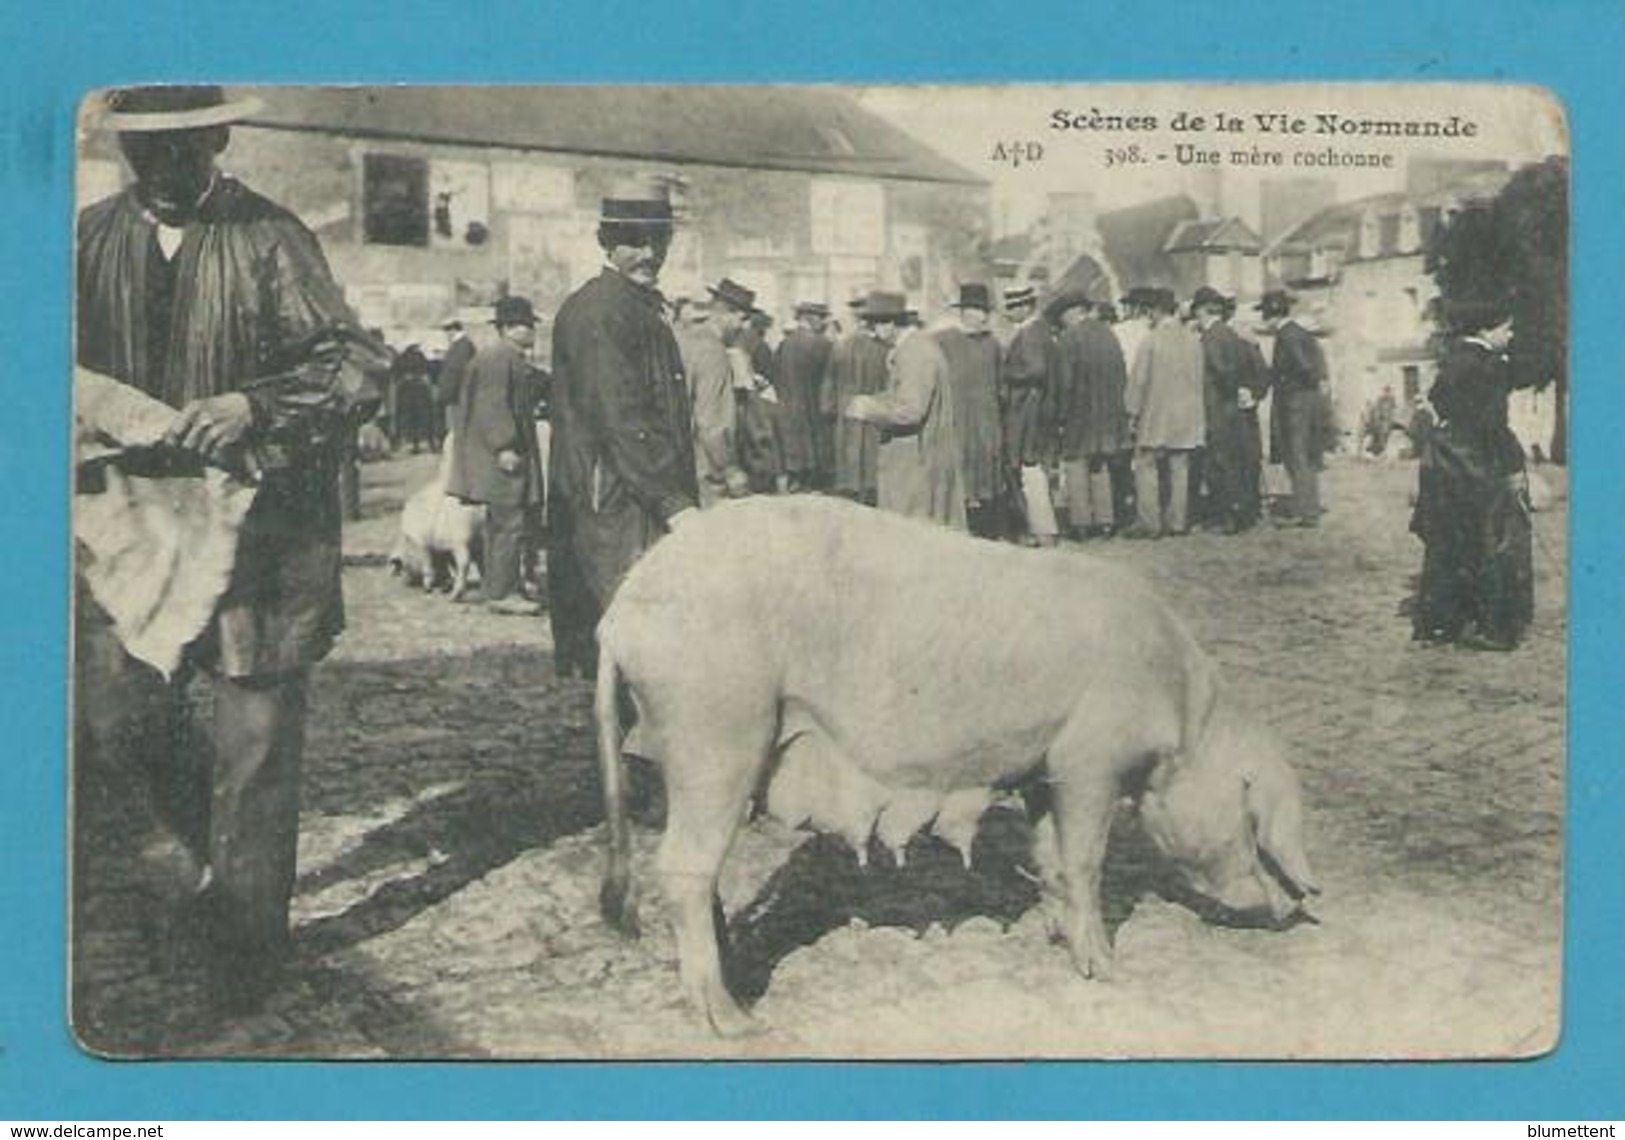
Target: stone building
[(431, 200), (1359, 271)]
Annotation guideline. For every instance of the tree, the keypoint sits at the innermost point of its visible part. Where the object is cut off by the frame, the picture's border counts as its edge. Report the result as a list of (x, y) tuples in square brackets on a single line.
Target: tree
[(1514, 250)]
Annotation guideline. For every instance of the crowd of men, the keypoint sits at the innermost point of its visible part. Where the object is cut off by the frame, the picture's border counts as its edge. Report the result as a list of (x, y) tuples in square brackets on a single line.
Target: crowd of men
[(1075, 415)]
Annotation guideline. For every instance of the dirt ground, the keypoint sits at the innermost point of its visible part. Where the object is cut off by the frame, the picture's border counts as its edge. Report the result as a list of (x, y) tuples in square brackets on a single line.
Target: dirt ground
[(451, 848)]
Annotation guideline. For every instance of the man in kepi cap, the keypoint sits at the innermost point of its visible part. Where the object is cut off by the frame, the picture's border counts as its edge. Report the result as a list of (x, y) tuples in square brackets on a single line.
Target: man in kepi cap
[(623, 447), (201, 293), (798, 373), (857, 367), (494, 457), (1298, 379)]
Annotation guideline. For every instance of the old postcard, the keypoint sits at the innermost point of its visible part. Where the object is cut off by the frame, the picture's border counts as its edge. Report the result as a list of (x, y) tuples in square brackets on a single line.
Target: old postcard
[(820, 572)]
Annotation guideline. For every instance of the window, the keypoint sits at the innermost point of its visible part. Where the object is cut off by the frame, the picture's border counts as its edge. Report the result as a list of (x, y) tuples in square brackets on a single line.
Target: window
[(395, 199), (1413, 382)]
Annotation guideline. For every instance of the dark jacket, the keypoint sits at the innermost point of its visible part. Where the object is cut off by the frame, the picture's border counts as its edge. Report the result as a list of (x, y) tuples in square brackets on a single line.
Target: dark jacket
[(1089, 391), (623, 447), (1297, 369), (453, 366), (495, 413), (247, 297), (798, 373), (1026, 396)]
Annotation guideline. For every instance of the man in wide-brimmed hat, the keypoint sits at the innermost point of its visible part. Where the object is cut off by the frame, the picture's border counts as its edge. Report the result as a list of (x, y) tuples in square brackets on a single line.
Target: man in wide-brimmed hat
[(495, 459), (623, 445), (1297, 414), (216, 301), (1029, 435), (973, 380), (918, 465), (799, 364)]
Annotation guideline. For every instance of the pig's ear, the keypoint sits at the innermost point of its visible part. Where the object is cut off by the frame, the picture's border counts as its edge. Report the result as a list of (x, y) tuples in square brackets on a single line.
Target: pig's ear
[(1276, 806)]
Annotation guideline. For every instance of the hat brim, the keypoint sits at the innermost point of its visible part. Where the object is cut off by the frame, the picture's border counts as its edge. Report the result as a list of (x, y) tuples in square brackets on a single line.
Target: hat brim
[(231, 111)]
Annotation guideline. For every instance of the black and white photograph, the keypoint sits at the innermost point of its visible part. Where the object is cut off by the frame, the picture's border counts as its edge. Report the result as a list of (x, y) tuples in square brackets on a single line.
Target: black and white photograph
[(786, 572)]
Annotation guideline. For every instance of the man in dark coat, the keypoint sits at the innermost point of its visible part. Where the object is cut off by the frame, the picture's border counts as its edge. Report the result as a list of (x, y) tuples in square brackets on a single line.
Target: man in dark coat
[(973, 383), (761, 428), (1091, 375), (1226, 374), (203, 294), (449, 380), (799, 364), (1029, 438), (1297, 379), (857, 367), (622, 467), (494, 457)]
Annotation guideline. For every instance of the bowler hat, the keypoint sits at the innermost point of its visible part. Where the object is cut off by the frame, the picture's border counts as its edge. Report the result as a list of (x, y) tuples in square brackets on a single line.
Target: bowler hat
[(1064, 300), (512, 311), (888, 307), (1019, 296), (171, 107), (1275, 303), (1208, 297), (812, 308), (974, 296), (734, 295)]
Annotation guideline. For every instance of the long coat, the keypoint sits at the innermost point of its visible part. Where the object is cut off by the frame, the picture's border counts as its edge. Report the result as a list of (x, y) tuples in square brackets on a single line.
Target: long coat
[(857, 367), (1297, 369), (495, 414), (798, 372), (1089, 391), (973, 382), (448, 384), (919, 448), (716, 412), (1164, 393), (1478, 568), (622, 459), (247, 295), (1027, 395), (1227, 368)]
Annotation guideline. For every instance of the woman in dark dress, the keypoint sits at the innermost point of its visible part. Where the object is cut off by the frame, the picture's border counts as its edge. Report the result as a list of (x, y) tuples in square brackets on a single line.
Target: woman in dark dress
[(1472, 514)]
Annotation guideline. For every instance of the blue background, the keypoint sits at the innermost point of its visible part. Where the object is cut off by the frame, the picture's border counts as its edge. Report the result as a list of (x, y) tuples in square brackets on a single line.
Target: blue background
[(53, 54)]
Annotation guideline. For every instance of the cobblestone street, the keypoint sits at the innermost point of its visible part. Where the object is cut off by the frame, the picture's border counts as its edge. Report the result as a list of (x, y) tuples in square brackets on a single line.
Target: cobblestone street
[(451, 848)]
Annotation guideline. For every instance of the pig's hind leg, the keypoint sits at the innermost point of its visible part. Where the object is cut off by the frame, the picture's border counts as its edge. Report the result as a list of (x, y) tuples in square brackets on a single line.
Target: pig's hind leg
[(711, 768)]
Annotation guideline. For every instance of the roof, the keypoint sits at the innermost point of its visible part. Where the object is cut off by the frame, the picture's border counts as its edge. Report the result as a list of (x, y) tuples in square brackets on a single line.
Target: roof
[(814, 129), (1135, 239), (1219, 235), (1337, 224)]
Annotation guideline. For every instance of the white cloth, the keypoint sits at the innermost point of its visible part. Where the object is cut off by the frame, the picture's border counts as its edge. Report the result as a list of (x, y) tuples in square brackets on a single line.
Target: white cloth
[(1040, 510), (156, 552)]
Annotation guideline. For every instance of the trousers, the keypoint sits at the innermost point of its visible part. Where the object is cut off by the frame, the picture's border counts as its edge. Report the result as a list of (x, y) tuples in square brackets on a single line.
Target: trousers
[(1152, 515), (504, 549)]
